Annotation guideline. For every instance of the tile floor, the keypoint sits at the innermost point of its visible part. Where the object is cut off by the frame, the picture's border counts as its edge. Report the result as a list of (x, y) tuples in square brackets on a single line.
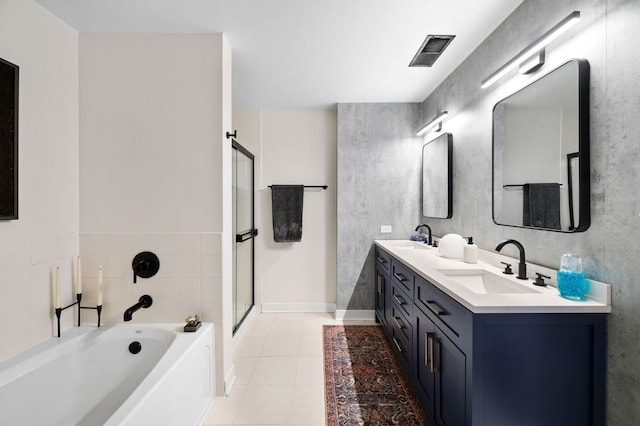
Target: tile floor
[(279, 373)]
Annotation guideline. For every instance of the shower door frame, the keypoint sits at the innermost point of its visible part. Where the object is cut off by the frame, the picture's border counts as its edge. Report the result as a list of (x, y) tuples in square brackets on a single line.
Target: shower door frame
[(240, 238)]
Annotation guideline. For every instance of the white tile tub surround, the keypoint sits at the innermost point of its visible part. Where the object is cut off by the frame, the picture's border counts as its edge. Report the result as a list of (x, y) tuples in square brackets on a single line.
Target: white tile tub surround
[(27, 268), (190, 270)]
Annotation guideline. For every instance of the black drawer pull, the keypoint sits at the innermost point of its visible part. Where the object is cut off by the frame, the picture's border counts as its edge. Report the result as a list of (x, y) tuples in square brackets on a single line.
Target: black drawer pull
[(398, 322), (400, 349), (400, 277), (434, 307), (399, 299)]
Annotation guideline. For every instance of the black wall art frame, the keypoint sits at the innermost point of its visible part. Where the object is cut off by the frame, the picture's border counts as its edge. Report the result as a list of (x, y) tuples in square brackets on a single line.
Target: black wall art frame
[(8, 140)]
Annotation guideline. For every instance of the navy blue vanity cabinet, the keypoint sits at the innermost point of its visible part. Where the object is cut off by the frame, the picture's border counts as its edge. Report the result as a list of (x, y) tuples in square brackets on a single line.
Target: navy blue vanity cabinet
[(496, 369)]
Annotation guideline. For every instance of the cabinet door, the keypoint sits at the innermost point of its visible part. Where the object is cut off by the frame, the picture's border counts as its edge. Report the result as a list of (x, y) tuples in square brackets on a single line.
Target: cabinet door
[(425, 377), (450, 368), (440, 368), (381, 287)]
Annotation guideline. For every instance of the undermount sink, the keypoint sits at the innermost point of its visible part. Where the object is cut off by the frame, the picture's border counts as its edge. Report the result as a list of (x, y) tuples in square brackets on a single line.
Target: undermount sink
[(411, 245), (484, 282)]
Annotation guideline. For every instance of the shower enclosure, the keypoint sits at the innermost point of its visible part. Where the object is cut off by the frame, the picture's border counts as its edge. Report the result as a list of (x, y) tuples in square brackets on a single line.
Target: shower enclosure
[(245, 232)]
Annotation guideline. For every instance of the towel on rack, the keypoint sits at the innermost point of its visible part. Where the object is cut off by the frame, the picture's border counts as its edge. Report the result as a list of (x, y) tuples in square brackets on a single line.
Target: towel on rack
[(541, 205), (286, 206)]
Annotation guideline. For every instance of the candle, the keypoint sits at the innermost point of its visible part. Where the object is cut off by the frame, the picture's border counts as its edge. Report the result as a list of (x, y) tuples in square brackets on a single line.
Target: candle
[(56, 289), (78, 277), (100, 286)]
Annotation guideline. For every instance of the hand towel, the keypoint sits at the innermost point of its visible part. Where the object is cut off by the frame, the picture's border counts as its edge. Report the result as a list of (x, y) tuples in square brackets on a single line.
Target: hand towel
[(541, 208), (286, 207)]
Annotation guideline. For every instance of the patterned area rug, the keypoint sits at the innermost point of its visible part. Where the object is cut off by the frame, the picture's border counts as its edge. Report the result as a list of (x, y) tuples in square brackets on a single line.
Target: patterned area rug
[(363, 381)]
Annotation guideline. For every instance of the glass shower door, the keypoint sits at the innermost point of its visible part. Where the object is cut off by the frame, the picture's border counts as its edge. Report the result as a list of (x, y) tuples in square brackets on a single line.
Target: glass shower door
[(244, 231)]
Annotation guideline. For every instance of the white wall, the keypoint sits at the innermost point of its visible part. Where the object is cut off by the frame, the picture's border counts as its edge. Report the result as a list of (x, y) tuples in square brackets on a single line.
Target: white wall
[(46, 233), (153, 168), (294, 147)]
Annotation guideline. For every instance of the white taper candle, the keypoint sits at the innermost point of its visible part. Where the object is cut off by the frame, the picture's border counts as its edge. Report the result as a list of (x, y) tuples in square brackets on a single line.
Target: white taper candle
[(78, 277), (56, 289), (100, 286)]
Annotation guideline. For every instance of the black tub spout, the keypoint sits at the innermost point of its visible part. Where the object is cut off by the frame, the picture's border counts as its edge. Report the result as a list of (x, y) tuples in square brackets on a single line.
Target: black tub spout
[(144, 302)]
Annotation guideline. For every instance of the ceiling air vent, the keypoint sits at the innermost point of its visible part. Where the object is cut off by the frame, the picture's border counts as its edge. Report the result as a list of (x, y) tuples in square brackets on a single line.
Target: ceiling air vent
[(431, 49)]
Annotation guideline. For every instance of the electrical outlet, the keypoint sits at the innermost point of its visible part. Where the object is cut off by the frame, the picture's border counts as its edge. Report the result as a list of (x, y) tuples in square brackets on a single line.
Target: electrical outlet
[(385, 229)]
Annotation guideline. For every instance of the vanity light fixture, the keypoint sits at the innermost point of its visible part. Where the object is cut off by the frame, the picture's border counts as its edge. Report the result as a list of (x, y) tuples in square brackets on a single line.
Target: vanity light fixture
[(435, 124), (534, 48)]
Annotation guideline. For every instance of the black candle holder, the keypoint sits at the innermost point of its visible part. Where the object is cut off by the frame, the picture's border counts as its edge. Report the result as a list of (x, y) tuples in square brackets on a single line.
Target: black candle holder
[(77, 302)]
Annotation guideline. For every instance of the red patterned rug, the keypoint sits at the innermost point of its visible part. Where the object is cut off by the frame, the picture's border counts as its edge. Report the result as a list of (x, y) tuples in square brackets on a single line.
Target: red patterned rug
[(364, 384)]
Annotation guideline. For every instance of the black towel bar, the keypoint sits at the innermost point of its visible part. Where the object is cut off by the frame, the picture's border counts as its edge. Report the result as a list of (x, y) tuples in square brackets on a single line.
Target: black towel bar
[(311, 186), (516, 185)]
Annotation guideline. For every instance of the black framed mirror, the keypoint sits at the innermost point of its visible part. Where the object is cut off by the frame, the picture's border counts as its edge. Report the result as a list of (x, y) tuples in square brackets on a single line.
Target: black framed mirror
[(8, 140), (541, 153), (437, 177)]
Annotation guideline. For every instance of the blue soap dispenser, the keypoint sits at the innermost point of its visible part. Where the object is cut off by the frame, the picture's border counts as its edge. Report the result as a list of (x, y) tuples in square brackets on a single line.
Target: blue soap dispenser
[(572, 283)]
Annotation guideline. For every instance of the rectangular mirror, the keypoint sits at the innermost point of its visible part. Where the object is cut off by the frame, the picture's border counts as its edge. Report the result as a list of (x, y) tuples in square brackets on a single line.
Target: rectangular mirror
[(8, 140), (437, 177), (541, 153)]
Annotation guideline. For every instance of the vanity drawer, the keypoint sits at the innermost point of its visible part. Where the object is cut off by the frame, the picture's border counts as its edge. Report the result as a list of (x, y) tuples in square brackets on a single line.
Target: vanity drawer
[(383, 259), (401, 341), (456, 319), (400, 322), (402, 275), (401, 299)]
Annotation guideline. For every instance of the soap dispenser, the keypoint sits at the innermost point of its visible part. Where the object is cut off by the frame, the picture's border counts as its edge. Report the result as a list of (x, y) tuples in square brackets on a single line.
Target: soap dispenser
[(470, 252)]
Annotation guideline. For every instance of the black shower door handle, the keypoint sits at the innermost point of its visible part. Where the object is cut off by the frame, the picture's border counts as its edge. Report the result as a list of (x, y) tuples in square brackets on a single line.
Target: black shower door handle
[(247, 235)]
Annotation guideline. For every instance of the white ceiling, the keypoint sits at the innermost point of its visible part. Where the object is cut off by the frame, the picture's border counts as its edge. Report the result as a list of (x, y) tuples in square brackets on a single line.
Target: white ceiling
[(310, 54)]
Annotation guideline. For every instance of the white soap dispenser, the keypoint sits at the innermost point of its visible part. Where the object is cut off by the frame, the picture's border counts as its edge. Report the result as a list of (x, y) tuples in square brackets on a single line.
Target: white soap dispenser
[(470, 252)]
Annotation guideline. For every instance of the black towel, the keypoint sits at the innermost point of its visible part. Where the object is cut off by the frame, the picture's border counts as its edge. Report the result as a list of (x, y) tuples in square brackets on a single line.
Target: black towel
[(286, 206), (541, 208)]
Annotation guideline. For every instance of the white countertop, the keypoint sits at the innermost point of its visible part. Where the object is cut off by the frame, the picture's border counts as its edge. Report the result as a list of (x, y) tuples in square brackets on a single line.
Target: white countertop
[(429, 264)]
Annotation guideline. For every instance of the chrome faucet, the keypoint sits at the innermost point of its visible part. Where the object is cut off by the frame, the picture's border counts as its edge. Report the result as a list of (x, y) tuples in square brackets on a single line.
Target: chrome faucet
[(522, 266), (429, 242), (144, 302)]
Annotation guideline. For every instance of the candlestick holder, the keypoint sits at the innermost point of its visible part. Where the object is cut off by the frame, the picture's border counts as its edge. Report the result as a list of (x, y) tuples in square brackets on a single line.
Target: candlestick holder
[(78, 302)]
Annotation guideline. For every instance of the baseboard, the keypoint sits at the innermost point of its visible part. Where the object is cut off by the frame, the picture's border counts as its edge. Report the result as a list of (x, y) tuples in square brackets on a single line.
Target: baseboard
[(298, 307), (355, 315)]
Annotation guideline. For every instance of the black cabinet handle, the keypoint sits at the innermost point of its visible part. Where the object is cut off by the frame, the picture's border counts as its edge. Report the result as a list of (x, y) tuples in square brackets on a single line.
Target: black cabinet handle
[(428, 350), (398, 322), (399, 299), (380, 281), (434, 307), (400, 349), (434, 368), (400, 277)]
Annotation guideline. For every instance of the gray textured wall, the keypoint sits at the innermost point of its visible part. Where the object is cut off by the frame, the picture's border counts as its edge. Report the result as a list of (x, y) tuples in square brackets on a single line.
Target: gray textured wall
[(605, 38), (379, 182), (379, 163)]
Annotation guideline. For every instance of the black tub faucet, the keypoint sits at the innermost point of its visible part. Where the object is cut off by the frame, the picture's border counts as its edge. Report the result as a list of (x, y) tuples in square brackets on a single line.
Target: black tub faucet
[(522, 266), (144, 302), (429, 242)]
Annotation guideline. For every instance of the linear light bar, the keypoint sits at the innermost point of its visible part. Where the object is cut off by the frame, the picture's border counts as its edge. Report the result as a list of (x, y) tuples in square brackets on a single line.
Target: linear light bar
[(533, 48), (433, 123)]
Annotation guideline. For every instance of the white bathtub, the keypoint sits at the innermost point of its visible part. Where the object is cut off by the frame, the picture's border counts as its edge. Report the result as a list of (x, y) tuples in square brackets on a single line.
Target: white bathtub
[(89, 377)]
